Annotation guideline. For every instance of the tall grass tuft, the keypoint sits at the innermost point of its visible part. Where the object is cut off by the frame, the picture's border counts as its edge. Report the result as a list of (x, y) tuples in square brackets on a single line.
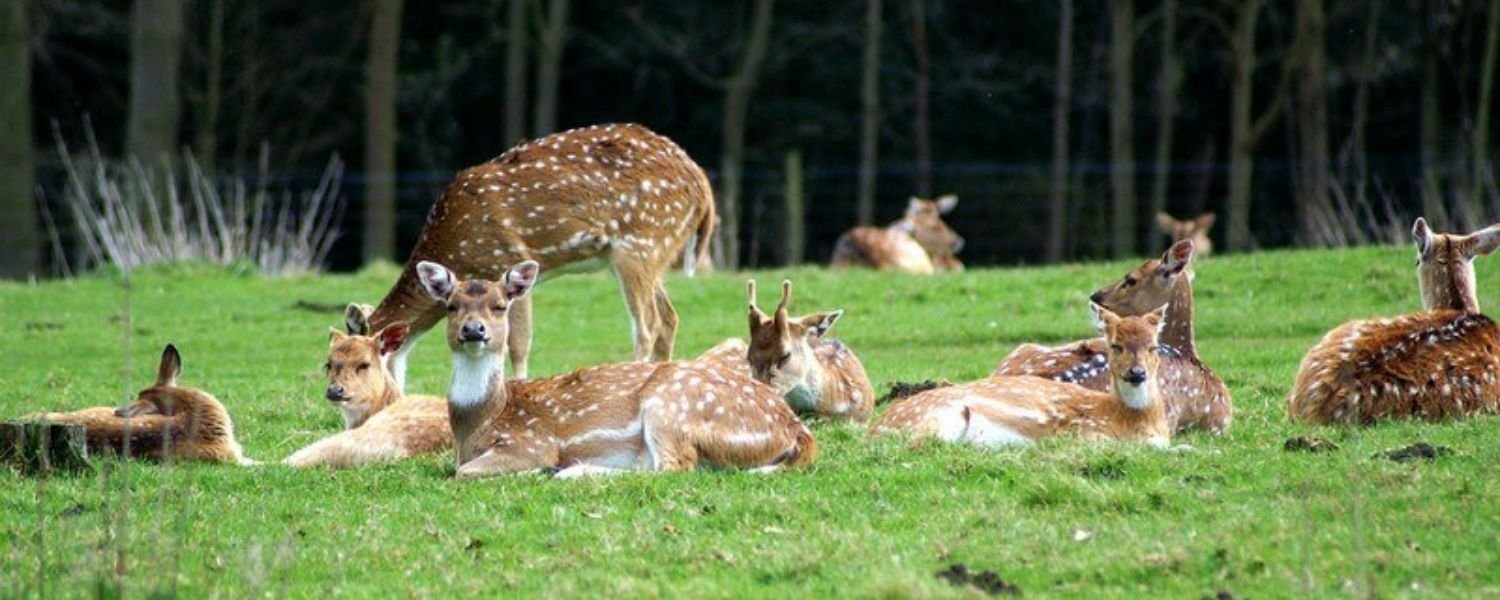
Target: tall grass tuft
[(128, 214)]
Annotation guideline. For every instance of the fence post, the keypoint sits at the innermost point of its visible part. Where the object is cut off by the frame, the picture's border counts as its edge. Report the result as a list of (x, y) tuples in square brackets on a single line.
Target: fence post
[(794, 232)]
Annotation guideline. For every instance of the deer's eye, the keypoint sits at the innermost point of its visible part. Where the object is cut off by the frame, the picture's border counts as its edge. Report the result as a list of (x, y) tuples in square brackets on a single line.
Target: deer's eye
[(1154, 349), (1129, 281), (1116, 347), (452, 308), (362, 367), (328, 366), (499, 308), (782, 361)]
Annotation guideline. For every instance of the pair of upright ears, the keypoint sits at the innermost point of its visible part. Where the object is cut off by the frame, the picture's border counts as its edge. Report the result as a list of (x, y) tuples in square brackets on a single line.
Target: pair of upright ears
[(390, 339), (1105, 318), (815, 325), (1479, 243), (439, 282)]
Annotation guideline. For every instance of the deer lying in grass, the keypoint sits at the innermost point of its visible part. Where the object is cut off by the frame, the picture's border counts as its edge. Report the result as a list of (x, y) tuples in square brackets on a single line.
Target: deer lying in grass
[(381, 425), (1195, 229), (1003, 411), (1194, 396), (604, 419), (166, 421), (816, 374), (617, 195), (1437, 364), (920, 242)]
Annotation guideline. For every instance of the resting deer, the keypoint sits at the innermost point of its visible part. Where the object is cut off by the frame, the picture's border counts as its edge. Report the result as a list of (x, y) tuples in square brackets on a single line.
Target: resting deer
[(1003, 411), (1194, 396), (166, 421), (1436, 364), (617, 195), (604, 419), (381, 425), (1195, 229), (920, 242)]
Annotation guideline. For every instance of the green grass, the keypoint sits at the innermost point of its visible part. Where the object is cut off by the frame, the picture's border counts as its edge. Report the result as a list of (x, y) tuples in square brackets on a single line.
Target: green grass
[(868, 519)]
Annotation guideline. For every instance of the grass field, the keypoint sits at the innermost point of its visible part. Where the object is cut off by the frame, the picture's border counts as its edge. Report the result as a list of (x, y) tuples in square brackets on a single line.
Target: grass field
[(1238, 514)]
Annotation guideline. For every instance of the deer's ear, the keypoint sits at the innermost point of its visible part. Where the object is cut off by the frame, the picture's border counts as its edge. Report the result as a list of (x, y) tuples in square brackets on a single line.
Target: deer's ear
[(818, 324), (392, 337), (946, 203), (357, 319), (1482, 242), (1157, 319), (1178, 256), (1422, 235), (335, 336), (1103, 317), (1205, 221), (170, 367), (1165, 222), (520, 278), (437, 280), (913, 205)]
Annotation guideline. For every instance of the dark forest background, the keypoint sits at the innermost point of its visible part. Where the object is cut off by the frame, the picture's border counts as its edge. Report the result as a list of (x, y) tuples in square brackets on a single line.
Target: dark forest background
[(1062, 126)]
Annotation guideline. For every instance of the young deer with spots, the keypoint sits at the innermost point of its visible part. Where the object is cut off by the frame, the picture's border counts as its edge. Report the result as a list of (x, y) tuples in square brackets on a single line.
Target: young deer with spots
[(381, 424), (166, 421), (643, 416), (816, 374), (1003, 411), (1194, 396), (1436, 364), (1195, 229), (616, 195), (920, 242)]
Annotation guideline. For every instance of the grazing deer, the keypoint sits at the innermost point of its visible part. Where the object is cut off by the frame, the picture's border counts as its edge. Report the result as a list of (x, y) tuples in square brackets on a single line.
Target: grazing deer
[(920, 242), (614, 195), (603, 419), (166, 421), (814, 373), (1194, 396), (1195, 229), (1003, 411), (1437, 364), (381, 425)]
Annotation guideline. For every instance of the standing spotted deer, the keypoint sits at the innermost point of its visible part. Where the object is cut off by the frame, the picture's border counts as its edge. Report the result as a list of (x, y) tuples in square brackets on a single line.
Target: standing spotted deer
[(920, 242), (166, 421), (1195, 229), (1194, 396), (616, 195), (626, 416), (1437, 364), (1007, 411)]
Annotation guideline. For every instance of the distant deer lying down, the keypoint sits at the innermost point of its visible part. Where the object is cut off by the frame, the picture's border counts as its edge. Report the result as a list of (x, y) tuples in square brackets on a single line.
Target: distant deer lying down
[(920, 242), (619, 196), (1194, 396), (1195, 229), (816, 374), (1003, 411), (165, 422), (381, 424), (604, 419), (1437, 364)]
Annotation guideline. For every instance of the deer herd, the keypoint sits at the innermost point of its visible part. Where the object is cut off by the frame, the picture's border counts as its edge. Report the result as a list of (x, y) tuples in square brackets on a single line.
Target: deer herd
[(625, 198)]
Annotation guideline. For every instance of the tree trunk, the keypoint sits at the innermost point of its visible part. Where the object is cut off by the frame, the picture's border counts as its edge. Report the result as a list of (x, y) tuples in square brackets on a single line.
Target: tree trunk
[(380, 131), (207, 144), (736, 113), (1353, 160), (1431, 126), (1483, 109), (515, 74), (1057, 207), (922, 126), (1166, 112), (155, 55), (869, 141), (1312, 123), (794, 234), (553, 40), (20, 247), (1121, 129), (1243, 132)]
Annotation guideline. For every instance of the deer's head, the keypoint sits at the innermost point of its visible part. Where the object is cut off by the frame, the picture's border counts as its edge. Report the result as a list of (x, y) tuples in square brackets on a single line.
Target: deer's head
[(1133, 359), (1148, 286), (359, 383), (781, 353), (164, 397), (1445, 265), (924, 221), (477, 307), (1195, 229)]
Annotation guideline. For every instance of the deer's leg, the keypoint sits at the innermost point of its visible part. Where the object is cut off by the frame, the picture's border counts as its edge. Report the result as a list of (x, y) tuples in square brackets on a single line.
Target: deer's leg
[(506, 461), (636, 283), (668, 448), (519, 343), (666, 331)]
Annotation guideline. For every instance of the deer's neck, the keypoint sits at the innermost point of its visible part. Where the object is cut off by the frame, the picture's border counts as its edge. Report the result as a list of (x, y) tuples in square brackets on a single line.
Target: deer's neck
[(1177, 328), (405, 300), (476, 395), (354, 418)]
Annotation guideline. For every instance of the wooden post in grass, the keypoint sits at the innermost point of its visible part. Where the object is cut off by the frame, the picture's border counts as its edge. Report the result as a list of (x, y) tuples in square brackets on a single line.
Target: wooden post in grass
[(40, 448), (794, 235)]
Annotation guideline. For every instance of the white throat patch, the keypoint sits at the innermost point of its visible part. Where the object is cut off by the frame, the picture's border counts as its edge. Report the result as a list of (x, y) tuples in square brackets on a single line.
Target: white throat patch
[(473, 378), (1135, 397)]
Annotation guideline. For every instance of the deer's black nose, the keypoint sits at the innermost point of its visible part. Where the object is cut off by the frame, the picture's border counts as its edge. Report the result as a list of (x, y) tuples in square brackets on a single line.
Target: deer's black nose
[(472, 331), (1097, 297), (334, 392), (1136, 375), (958, 244)]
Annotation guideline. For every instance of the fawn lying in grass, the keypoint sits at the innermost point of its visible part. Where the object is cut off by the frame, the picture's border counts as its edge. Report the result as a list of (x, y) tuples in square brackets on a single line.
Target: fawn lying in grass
[(1017, 410), (919, 242), (603, 419), (166, 421), (1439, 363), (381, 424)]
